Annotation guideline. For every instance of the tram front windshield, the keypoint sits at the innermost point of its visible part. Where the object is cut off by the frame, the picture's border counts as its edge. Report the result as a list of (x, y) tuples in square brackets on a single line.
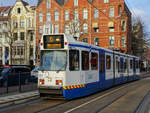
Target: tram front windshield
[(52, 60)]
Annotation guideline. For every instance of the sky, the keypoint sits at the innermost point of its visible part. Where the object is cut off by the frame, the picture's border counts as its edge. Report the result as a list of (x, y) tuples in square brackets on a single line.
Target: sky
[(139, 8)]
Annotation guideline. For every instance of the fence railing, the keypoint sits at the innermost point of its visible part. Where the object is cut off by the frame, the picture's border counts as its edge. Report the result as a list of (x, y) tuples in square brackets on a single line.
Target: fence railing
[(17, 82)]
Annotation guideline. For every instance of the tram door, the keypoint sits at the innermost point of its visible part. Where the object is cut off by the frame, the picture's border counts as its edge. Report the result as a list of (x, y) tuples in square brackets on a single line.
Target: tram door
[(102, 67)]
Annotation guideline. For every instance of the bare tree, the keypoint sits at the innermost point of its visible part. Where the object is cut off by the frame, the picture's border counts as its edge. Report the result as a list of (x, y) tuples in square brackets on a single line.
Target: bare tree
[(139, 38)]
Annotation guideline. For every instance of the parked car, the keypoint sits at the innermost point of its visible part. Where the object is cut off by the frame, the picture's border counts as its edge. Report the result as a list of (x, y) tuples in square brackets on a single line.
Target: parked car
[(34, 74), (12, 74)]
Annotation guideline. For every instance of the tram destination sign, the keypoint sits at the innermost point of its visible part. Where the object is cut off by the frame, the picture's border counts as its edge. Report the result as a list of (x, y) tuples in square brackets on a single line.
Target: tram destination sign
[(53, 41)]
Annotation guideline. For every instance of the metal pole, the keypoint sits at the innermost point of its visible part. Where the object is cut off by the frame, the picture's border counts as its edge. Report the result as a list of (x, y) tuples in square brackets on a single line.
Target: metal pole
[(7, 83), (19, 82)]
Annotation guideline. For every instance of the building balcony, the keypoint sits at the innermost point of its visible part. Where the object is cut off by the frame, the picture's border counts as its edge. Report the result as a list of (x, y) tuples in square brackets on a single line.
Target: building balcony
[(6, 30), (18, 56), (30, 29)]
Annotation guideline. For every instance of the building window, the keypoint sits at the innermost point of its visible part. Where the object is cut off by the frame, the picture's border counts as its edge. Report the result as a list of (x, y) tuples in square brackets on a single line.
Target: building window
[(75, 2), (66, 28), (30, 24), (56, 16), (76, 15), (123, 25), (94, 61), (22, 36), (85, 14), (15, 36), (111, 29), (48, 3), (119, 10), (6, 52), (22, 23), (21, 50), (48, 17), (19, 10), (111, 12), (40, 29), (47, 30), (96, 30), (74, 60), (85, 60), (40, 17), (111, 41), (96, 13), (66, 15), (106, 1), (31, 52), (1, 52), (85, 40), (123, 41), (31, 37), (57, 28), (15, 23), (96, 41), (108, 62), (85, 28)]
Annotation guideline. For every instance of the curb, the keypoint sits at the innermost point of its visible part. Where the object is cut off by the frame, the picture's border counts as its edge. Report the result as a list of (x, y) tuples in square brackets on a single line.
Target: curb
[(18, 98)]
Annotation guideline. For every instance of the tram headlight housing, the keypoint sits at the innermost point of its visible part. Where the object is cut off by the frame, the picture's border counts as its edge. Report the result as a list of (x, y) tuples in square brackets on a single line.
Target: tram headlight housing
[(59, 82)]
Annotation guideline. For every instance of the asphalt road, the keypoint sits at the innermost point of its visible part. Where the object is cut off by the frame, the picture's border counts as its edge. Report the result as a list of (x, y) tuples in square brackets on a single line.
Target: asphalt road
[(126, 98)]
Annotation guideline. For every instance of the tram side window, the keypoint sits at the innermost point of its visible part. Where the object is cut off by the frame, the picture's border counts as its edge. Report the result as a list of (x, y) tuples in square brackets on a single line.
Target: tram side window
[(102, 63), (131, 64), (125, 65), (116, 62), (74, 60), (137, 64), (94, 61), (108, 62), (85, 60)]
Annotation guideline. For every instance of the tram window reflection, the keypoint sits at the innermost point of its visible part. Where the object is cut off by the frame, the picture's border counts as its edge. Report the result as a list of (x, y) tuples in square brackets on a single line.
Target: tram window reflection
[(73, 60), (85, 60), (94, 61)]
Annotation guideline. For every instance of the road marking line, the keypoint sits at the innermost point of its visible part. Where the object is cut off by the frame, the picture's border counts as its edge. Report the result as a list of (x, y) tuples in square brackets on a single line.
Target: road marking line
[(93, 100)]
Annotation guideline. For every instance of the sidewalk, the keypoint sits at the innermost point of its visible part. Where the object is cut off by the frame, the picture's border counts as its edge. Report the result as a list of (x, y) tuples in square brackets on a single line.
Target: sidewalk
[(17, 98)]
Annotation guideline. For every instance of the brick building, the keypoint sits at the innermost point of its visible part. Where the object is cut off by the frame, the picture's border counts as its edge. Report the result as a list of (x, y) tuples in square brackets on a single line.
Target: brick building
[(105, 23)]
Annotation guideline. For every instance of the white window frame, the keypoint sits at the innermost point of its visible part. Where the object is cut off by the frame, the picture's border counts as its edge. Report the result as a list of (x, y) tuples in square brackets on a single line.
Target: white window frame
[(85, 28), (96, 41), (40, 29), (106, 1), (111, 12), (66, 15), (76, 15), (22, 23), (111, 41), (48, 3), (123, 41), (48, 16), (96, 13), (56, 15), (56, 28), (85, 14), (66, 28), (75, 2), (40, 17)]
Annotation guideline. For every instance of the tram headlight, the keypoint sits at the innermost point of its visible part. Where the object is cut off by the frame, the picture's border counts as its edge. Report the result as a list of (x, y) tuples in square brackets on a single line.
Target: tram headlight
[(59, 82)]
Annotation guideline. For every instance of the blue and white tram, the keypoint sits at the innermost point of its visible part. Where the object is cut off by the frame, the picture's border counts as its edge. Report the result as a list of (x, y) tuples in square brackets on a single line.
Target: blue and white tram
[(73, 69)]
